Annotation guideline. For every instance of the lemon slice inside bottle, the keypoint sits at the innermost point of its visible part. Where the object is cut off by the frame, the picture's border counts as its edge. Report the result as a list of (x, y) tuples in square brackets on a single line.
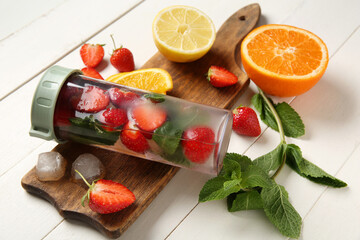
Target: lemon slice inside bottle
[(155, 80)]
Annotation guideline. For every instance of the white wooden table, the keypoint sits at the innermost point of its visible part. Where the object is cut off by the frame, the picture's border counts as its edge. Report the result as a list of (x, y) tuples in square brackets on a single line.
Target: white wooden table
[(37, 34)]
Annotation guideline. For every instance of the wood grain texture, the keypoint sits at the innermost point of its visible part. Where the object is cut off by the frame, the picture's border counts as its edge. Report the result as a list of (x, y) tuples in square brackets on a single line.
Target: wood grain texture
[(145, 178), (188, 78)]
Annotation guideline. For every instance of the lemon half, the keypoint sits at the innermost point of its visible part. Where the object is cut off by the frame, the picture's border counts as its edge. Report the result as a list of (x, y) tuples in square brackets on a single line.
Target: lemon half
[(183, 33)]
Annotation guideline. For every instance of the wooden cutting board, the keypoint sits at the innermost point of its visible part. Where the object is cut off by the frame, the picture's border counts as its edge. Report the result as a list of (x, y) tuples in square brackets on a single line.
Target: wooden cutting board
[(146, 178)]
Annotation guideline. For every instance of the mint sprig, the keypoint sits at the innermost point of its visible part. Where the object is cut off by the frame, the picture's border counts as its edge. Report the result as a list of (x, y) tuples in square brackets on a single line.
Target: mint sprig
[(88, 130), (291, 122), (251, 184)]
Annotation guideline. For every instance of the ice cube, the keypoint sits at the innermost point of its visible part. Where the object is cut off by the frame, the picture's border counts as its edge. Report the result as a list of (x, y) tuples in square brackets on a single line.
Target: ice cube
[(89, 166), (50, 166)]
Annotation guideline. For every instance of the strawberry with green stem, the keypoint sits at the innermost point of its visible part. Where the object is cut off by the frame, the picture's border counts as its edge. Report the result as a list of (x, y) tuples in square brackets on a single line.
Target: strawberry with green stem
[(106, 196), (245, 122), (220, 77), (122, 59)]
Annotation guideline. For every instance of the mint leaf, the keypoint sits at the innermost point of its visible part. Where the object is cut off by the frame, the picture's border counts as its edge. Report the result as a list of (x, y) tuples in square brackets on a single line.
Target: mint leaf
[(254, 176), (244, 201), (271, 160), (155, 97), (177, 157), (309, 170), (168, 137), (280, 211), (292, 124), (231, 169), (183, 117), (290, 119), (243, 160), (218, 188), (233, 164), (90, 131), (265, 112)]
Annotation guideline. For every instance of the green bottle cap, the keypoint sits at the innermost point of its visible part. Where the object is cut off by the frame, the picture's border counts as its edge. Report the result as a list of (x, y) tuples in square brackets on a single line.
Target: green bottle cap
[(44, 101)]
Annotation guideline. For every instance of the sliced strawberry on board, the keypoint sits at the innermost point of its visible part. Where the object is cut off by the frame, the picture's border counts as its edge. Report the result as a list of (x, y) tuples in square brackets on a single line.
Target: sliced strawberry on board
[(91, 72), (106, 196), (246, 122), (133, 139), (198, 143), (220, 77), (122, 98), (92, 54), (149, 117), (92, 99)]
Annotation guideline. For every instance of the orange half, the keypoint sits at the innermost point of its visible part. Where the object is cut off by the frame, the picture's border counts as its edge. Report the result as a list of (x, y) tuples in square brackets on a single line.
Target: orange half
[(284, 60)]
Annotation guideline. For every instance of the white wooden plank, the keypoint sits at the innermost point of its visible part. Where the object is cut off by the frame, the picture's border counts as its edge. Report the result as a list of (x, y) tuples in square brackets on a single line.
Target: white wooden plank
[(336, 214), (15, 141), (330, 20), (46, 40), (340, 206), (24, 216), (329, 141), (19, 15)]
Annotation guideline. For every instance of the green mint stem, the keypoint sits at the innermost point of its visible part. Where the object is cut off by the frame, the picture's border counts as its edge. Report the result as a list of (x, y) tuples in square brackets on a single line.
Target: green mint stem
[(277, 118), (279, 169), (280, 127)]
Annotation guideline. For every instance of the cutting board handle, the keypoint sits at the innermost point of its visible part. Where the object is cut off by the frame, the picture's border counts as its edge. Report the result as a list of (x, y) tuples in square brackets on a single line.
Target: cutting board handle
[(232, 32), (188, 78)]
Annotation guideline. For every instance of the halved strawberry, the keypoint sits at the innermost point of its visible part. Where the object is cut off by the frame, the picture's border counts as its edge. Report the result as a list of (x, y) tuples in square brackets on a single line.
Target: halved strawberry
[(132, 138), (92, 54), (220, 77), (109, 197), (198, 143), (122, 98), (91, 72), (92, 99), (106, 196), (114, 117), (149, 117)]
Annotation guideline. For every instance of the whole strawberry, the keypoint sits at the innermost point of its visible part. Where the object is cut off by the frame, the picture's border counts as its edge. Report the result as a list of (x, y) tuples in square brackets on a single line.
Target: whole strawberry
[(198, 143), (106, 196), (92, 54), (245, 122), (122, 59), (220, 77)]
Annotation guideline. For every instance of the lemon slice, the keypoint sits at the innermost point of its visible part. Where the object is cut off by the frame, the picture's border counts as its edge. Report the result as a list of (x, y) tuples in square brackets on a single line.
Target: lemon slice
[(155, 80), (183, 33)]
